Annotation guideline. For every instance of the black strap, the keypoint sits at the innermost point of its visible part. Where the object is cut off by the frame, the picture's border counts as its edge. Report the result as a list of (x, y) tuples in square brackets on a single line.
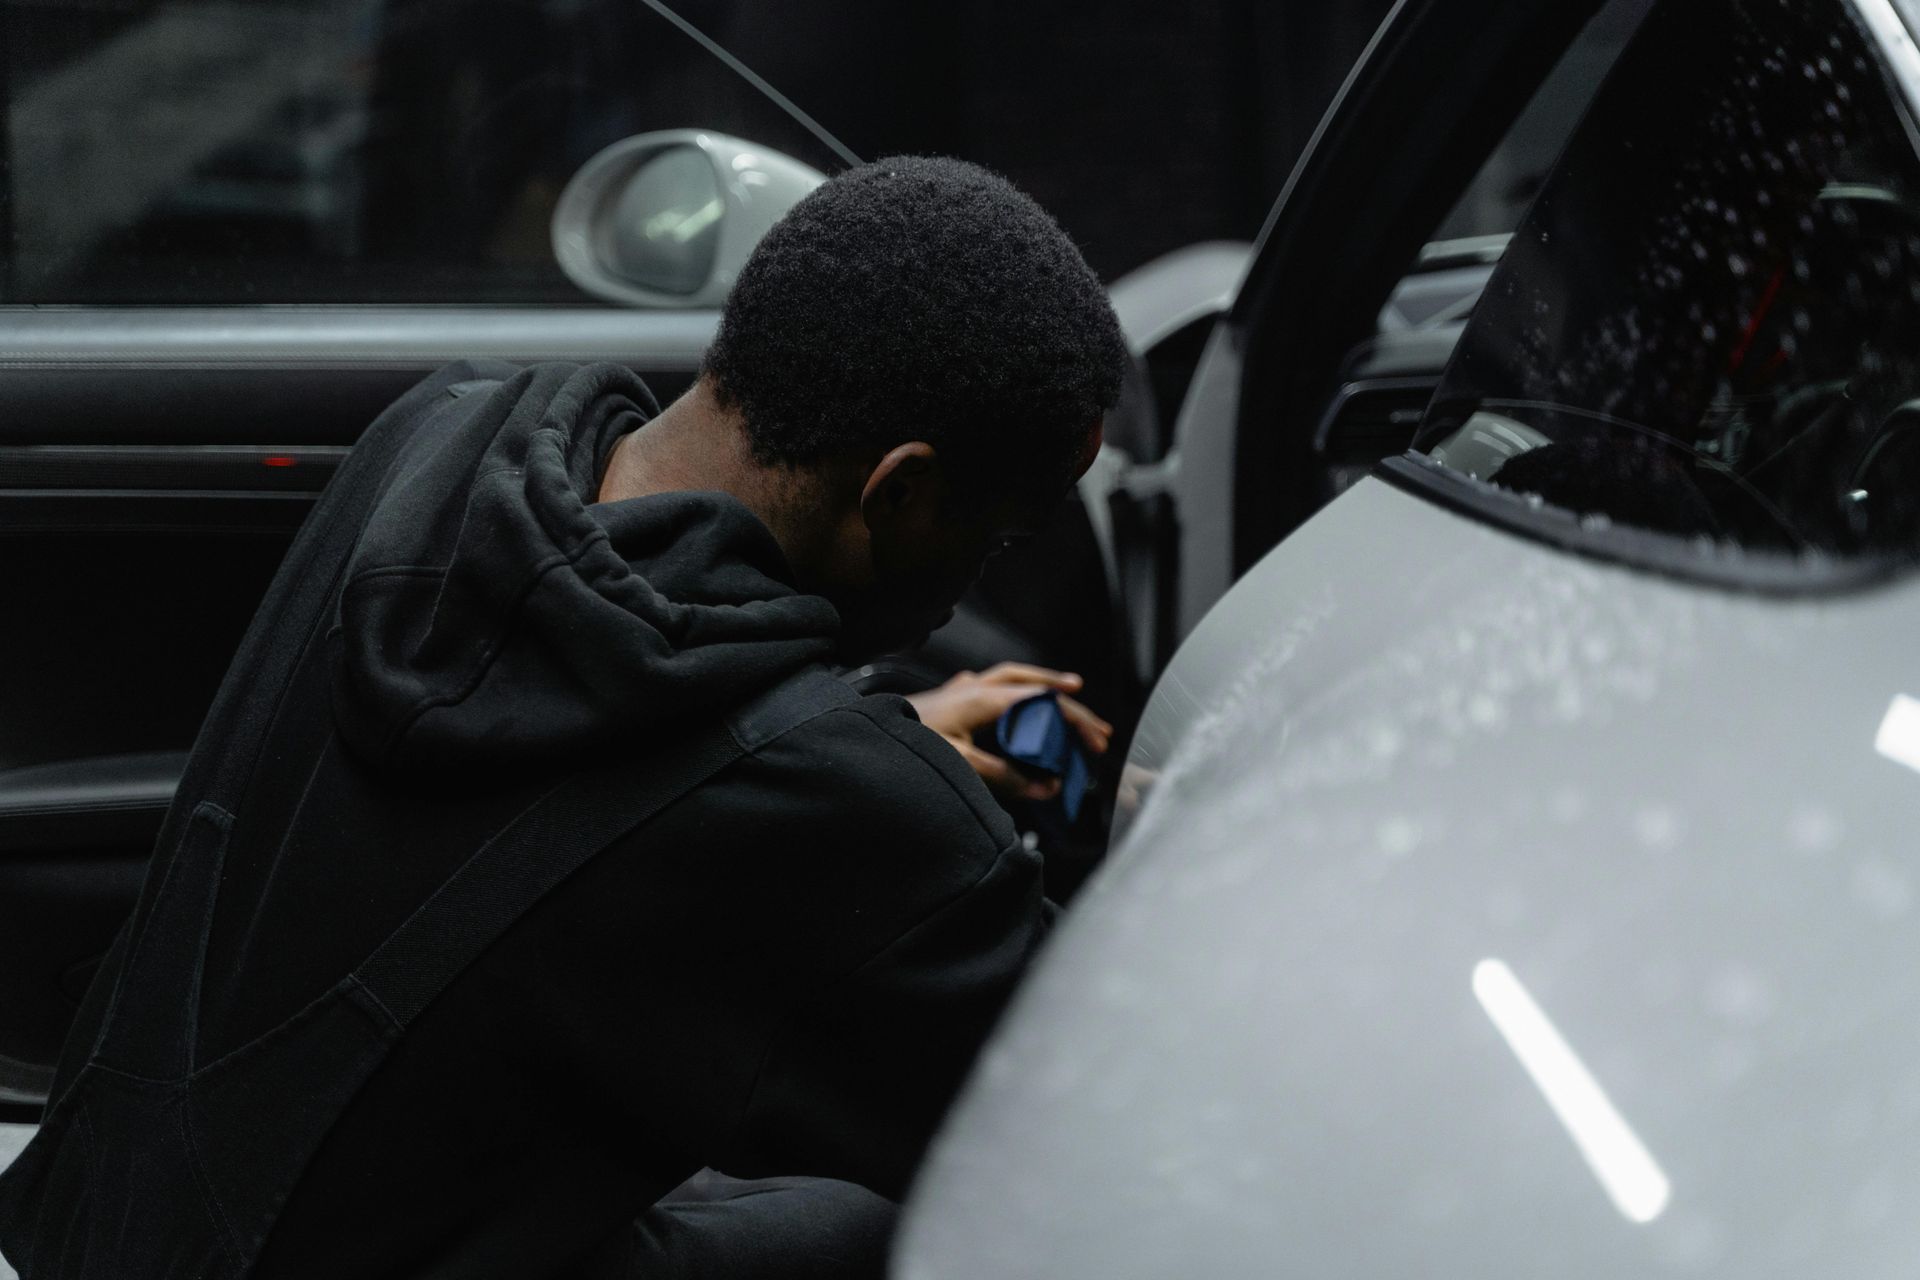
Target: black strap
[(558, 834)]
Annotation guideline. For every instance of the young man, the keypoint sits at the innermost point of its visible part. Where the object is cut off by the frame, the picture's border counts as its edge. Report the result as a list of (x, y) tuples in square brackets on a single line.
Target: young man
[(528, 861)]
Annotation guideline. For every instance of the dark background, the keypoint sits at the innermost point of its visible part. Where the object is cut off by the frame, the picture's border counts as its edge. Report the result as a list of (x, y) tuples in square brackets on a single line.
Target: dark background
[(411, 150), (1144, 126)]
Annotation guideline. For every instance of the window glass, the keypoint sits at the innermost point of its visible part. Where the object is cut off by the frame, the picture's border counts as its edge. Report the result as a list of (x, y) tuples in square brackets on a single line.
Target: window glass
[(159, 151), (1709, 323), (1500, 193)]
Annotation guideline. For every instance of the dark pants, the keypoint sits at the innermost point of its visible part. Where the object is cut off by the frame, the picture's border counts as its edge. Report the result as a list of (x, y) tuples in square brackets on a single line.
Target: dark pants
[(713, 1227)]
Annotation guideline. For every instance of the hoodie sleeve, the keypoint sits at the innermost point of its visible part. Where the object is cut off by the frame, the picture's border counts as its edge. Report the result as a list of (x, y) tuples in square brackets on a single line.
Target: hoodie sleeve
[(856, 1082)]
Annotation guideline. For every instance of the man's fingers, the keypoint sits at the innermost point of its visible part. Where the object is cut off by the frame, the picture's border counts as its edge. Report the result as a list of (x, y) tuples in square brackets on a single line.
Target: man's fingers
[(1027, 673), (1095, 732), (969, 703), (994, 771), (985, 703), (1005, 780)]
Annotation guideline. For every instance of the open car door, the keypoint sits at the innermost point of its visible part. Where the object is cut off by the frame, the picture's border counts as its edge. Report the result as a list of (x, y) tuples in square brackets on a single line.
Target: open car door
[(234, 234)]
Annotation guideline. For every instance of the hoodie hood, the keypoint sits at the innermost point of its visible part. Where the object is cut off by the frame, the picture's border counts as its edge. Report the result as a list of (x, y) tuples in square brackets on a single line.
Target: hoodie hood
[(494, 614)]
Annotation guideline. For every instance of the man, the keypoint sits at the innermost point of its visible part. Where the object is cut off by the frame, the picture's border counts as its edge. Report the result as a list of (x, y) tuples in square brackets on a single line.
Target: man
[(527, 862)]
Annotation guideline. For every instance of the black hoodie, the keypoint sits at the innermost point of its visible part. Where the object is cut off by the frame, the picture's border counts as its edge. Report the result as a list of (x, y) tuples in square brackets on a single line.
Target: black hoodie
[(785, 972)]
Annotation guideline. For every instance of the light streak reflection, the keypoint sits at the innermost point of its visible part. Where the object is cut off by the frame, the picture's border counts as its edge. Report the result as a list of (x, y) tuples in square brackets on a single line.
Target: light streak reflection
[(1627, 1172)]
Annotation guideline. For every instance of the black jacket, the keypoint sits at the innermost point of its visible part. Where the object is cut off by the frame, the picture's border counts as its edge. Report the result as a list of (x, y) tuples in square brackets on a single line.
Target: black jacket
[(786, 972)]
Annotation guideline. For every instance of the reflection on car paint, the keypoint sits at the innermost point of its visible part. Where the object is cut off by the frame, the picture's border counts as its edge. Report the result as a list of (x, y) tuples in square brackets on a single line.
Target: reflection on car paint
[(1633, 1180), (1899, 736)]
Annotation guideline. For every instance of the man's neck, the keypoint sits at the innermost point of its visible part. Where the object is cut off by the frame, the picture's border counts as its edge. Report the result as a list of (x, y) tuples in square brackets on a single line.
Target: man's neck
[(698, 444)]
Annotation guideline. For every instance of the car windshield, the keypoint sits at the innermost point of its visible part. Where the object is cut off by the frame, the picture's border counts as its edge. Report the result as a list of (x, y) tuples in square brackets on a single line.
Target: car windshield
[(1709, 323)]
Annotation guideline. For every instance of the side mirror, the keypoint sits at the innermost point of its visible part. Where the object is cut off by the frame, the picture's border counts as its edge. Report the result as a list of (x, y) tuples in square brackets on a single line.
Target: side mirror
[(668, 219)]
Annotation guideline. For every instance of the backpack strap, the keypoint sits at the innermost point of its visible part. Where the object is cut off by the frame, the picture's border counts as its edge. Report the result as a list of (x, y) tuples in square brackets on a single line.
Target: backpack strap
[(163, 944), (559, 833)]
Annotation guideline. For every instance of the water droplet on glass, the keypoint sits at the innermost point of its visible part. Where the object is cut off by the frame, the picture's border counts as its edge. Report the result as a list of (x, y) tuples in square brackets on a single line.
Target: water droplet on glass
[(1882, 889), (1813, 829), (1740, 996), (1566, 805), (1385, 742), (1657, 827), (1398, 837)]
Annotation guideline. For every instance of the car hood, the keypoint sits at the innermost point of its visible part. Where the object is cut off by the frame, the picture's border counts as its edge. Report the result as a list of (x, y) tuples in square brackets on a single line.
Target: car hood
[(1491, 913)]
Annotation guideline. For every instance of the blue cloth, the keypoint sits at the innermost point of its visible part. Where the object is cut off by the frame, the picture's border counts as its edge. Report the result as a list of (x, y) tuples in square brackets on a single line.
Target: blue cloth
[(1036, 736)]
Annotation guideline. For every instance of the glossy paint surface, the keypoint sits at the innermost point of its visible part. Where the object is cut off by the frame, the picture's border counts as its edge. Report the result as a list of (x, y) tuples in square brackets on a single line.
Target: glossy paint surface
[(1488, 912)]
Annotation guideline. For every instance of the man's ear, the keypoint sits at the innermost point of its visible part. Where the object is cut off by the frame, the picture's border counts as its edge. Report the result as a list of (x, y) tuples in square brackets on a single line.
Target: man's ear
[(1096, 437), (906, 486)]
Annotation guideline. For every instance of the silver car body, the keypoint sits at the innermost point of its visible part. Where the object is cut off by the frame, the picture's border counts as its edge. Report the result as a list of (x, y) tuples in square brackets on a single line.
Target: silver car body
[(1489, 911)]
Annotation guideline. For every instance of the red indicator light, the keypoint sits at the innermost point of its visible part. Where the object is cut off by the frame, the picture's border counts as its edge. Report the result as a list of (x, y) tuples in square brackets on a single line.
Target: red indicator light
[(279, 460)]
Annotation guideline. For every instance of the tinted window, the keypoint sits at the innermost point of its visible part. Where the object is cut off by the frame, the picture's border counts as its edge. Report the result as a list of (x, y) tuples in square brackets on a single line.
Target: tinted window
[(327, 150), (1500, 193), (275, 151), (1709, 323)]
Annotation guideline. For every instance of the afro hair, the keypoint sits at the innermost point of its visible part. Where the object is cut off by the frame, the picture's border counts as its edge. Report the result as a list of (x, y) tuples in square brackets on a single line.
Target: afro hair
[(921, 299)]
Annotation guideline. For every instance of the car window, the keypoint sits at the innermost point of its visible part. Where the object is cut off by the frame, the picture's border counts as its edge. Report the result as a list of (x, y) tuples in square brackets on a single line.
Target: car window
[(1499, 194), (1709, 323), (166, 151), (1444, 283)]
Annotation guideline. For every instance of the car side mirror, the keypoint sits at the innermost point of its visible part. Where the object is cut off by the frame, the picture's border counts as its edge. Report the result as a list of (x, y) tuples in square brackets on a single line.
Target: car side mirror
[(668, 219)]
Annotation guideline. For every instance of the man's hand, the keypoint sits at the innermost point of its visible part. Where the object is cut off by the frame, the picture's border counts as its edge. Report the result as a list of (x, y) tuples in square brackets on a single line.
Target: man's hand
[(970, 702)]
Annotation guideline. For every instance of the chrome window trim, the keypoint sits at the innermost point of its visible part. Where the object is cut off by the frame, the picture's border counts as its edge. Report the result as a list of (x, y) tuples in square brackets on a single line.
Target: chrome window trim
[(1891, 23), (334, 336)]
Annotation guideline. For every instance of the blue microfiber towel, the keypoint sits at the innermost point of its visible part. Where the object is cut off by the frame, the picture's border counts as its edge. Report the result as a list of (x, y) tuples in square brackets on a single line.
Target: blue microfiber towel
[(1036, 736)]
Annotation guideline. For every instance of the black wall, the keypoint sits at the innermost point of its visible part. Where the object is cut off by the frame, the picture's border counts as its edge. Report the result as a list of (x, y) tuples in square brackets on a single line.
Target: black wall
[(1143, 126)]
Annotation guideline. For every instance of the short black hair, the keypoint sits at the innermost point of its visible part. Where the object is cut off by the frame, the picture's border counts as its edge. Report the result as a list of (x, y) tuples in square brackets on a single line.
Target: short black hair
[(921, 298)]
